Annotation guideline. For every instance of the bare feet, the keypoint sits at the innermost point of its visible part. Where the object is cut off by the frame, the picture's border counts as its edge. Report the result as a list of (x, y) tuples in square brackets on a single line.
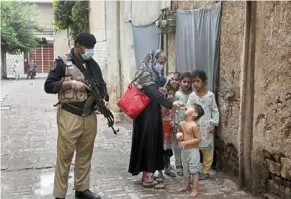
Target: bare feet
[(186, 188), (194, 194)]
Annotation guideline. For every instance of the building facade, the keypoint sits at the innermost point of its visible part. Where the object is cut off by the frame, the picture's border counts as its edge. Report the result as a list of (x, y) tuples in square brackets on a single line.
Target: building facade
[(52, 44), (254, 93)]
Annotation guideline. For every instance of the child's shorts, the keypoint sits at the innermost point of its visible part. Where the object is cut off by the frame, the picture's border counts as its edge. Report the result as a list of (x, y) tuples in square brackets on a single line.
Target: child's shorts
[(191, 161)]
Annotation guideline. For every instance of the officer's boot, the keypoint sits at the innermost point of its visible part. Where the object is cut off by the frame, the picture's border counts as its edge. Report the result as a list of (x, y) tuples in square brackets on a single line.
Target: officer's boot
[(87, 194)]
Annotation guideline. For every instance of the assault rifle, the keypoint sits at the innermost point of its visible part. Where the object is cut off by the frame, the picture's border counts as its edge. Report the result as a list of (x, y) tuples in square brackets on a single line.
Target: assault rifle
[(100, 105), (95, 96)]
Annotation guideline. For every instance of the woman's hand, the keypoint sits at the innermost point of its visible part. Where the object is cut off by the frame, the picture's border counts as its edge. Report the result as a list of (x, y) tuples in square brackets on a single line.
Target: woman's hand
[(170, 76), (178, 103), (163, 90)]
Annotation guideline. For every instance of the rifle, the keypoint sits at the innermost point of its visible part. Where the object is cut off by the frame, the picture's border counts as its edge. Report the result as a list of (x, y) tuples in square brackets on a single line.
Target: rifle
[(95, 96)]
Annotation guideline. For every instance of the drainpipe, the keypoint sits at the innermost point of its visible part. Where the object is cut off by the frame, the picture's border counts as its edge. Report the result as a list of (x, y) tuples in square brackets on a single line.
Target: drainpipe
[(41, 59), (247, 98), (118, 50)]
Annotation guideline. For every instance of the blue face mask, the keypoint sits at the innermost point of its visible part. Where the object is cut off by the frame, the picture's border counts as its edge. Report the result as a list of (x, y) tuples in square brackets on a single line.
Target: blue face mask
[(88, 54)]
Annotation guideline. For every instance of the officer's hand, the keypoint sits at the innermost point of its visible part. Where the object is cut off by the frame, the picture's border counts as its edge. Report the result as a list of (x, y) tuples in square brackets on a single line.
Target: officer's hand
[(79, 86), (106, 103)]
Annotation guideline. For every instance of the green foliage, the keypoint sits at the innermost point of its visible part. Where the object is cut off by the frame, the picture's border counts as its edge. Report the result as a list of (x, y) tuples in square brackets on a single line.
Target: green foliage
[(71, 15), (62, 14), (18, 27)]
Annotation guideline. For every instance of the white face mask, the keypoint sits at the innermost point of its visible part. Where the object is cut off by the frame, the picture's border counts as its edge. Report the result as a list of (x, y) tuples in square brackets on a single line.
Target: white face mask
[(159, 67), (88, 54)]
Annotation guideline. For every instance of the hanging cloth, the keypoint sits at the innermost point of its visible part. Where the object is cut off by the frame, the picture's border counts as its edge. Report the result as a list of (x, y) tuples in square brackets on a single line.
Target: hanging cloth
[(145, 40), (197, 41)]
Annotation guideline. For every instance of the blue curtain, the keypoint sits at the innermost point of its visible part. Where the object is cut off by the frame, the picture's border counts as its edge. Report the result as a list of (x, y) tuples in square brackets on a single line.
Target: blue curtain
[(197, 42), (146, 39)]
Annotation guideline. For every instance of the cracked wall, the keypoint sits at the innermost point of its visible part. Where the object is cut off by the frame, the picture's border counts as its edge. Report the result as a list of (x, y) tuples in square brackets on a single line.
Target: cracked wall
[(271, 142), (272, 99), (231, 55)]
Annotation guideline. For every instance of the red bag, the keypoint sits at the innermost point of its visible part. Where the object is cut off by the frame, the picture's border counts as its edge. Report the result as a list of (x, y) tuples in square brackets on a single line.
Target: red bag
[(133, 102)]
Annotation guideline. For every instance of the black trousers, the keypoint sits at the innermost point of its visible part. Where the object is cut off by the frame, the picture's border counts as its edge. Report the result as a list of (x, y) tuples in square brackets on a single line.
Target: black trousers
[(167, 156)]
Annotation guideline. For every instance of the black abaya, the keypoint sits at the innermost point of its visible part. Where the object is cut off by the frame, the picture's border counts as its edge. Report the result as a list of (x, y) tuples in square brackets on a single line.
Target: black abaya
[(147, 137)]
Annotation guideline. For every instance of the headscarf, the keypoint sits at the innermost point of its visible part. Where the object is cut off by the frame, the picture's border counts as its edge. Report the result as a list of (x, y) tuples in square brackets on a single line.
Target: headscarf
[(150, 71)]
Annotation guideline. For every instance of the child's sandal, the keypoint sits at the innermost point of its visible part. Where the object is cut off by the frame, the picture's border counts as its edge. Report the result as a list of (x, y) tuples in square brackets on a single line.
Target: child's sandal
[(160, 186)]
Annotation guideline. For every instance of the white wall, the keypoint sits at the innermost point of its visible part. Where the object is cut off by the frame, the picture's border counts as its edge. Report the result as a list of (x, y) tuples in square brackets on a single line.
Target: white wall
[(45, 16), (61, 42), (118, 63), (97, 28), (10, 60)]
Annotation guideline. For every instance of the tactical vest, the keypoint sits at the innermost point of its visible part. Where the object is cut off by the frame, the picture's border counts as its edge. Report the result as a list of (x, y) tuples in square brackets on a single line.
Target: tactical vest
[(72, 73)]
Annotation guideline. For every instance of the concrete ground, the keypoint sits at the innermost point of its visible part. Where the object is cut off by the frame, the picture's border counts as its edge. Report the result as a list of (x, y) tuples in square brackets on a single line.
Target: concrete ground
[(28, 152)]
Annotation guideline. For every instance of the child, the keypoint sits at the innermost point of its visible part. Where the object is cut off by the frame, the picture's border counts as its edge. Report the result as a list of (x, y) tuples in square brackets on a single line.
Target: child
[(174, 82), (189, 139), (181, 95), (167, 118), (17, 70), (209, 120)]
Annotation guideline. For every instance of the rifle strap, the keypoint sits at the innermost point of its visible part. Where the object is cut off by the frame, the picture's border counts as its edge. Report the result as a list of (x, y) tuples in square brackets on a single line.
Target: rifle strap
[(81, 66)]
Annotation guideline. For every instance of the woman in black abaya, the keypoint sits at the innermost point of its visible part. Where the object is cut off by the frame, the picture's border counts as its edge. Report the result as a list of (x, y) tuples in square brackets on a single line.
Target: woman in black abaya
[(147, 138)]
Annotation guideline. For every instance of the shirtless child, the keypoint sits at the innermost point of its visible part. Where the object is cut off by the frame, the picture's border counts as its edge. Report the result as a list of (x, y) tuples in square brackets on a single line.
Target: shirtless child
[(189, 139)]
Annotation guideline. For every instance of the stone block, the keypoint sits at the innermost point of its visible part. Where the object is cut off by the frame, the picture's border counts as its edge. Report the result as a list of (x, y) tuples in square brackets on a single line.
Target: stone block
[(288, 175), (267, 154), (286, 168), (272, 166), (270, 196), (271, 175), (276, 189), (276, 157), (287, 183), (278, 180), (271, 185), (287, 193), (282, 191), (283, 160), (278, 167)]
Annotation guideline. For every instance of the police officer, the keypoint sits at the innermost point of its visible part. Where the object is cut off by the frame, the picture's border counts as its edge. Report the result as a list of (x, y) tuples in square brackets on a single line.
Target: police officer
[(76, 133)]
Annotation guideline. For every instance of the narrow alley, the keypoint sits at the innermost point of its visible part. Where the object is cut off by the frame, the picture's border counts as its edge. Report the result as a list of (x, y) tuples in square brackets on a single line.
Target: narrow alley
[(28, 153)]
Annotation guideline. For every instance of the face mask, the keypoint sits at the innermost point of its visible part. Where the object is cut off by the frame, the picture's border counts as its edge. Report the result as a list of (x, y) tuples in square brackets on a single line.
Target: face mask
[(159, 67), (88, 54)]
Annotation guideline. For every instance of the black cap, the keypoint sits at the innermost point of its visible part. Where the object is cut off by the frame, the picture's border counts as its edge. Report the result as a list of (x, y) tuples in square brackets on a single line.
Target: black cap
[(86, 39)]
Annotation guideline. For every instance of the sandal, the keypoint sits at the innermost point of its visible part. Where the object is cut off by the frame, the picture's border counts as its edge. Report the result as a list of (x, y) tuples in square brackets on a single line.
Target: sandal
[(160, 178), (179, 171), (149, 184), (160, 186), (204, 176), (170, 172)]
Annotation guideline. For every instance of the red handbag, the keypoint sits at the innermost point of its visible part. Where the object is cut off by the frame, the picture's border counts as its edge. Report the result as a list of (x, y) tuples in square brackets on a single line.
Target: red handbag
[(133, 102)]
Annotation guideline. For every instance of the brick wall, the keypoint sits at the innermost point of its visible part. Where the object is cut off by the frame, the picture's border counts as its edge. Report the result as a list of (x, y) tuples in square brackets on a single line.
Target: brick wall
[(278, 177), (267, 123)]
